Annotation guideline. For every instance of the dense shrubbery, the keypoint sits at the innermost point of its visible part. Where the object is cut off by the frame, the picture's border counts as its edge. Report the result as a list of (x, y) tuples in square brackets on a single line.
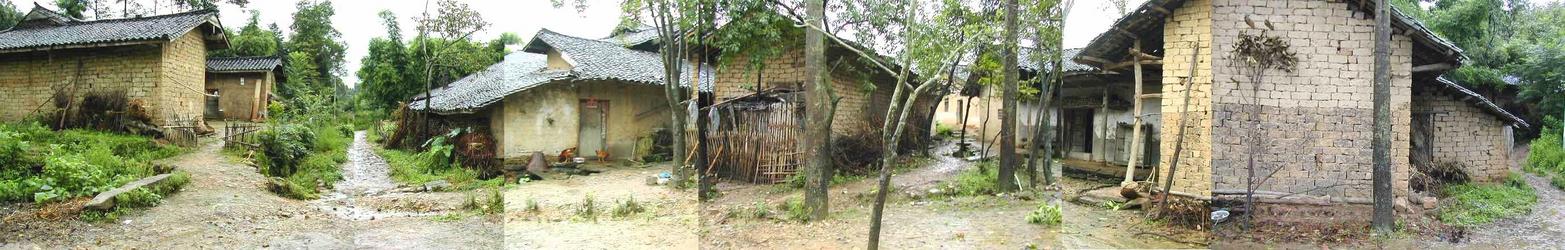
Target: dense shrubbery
[(976, 181), (41, 165), (304, 156), (1547, 157), (433, 164)]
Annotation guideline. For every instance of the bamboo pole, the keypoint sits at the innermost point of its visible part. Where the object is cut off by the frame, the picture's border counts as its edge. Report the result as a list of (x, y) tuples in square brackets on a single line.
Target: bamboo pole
[(1184, 116)]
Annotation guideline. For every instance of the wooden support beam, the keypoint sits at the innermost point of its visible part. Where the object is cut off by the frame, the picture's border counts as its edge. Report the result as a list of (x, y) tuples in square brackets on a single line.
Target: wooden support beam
[(1152, 95), (1160, 9), (1431, 67), (1144, 56), (1131, 63), (1125, 32), (1135, 130), (1100, 61)]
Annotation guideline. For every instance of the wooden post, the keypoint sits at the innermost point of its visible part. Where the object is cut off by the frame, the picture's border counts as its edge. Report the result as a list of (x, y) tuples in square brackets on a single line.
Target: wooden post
[(1135, 112)]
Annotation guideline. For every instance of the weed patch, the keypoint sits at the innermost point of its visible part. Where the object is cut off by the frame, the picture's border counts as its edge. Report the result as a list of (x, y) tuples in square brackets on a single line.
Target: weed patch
[(796, 209), (1478, 204), (979, 180), (628, 207), (1046, 214), (587, 210)]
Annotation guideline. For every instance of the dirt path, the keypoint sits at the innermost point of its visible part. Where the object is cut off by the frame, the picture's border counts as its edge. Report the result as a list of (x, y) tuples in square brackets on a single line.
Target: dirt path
[(668, 222), (934, 223), (226, 206)]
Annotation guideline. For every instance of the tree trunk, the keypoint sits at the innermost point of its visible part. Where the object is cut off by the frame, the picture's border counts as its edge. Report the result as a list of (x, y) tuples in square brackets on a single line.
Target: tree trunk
[(1007, 179), (671, 51), (820, 108), (1383, 219)]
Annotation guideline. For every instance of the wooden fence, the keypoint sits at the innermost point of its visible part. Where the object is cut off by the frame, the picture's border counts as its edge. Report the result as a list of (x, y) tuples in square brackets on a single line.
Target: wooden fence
[(241, 135), (181, 130), (758, 140)]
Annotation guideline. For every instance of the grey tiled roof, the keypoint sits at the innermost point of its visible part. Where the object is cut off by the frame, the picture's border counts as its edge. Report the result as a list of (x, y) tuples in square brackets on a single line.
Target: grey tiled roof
[(243, 64), (1481, 102), (600, 60), (75, 32), (520, 71), (1028, 62), (633, 37)]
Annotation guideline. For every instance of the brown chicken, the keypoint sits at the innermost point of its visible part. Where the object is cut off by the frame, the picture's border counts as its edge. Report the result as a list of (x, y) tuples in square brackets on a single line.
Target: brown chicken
[(567, 155)]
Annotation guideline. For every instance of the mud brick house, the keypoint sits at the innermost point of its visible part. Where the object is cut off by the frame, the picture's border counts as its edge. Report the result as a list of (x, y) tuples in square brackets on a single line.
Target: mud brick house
[(1317, 120), (239, 88), (759, 111), (158, 61), (564, 92)]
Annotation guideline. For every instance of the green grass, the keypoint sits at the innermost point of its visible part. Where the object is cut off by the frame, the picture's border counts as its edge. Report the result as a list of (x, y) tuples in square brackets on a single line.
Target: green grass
[(41, 165), (796, 210), (943, 130), (979, 180), (1478, 204), (320, 165), (1046, 214)]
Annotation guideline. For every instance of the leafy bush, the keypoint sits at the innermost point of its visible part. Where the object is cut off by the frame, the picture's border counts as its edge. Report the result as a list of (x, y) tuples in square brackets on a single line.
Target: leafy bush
[(284, 147), (1045, 215), (305, 157), (1478, 204)]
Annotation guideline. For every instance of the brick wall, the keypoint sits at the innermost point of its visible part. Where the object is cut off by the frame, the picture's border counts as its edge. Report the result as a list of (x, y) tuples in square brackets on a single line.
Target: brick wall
[(1464, 134), (1190, 25), (856, 111), (181, 88), (27, 80), (1316, 122)]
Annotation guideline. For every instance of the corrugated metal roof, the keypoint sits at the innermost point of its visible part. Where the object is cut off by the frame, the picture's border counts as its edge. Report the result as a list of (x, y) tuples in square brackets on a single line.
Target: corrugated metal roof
[(520, 71), (243, 64), (74, 32)]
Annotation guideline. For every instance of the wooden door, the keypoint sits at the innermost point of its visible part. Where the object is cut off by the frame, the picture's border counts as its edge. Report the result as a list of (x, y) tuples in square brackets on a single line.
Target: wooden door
[(594, 128)]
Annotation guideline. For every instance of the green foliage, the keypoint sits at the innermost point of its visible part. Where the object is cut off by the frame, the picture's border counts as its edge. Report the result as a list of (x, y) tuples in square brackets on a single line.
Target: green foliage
[(980, 180), (285, 146), (304, 156), (1048, 215), (943, 130), (315, 51), (1546, 155), (71, 8), (628, 207), (40, 165), (1478, 204), (587, 210), (250, 41), (9, 15), (394, 70)]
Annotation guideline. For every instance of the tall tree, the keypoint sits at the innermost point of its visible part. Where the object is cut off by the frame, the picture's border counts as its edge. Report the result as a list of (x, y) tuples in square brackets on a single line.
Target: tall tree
[(1006, 182), (453, 21), (1050, 21), (1380, 143), (315, 36), (383, 73), (821, 102)]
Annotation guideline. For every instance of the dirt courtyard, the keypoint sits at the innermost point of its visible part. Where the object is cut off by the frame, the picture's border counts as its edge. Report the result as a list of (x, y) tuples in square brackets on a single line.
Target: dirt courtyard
[(667, 222), (913, 219)]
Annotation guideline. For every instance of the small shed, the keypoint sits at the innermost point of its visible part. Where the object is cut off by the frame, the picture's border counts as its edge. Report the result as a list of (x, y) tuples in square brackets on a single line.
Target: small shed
[(239, 88)]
